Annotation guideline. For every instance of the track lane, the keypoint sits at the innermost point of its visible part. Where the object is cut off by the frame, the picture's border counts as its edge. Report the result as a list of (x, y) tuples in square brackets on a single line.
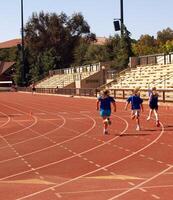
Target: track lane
[(137, 136)]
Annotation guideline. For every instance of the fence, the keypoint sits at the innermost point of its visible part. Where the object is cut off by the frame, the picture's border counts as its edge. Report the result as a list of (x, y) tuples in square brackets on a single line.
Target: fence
[(86, 68), (154, 59), (5, 85), (164, 95)]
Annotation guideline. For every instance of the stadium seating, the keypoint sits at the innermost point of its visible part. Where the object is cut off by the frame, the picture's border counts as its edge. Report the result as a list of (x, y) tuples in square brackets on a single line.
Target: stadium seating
[(145, 77), (64, 77)]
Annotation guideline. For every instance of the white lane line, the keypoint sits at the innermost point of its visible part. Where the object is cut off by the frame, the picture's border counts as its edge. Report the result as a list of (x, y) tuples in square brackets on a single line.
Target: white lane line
[(57, 144), (58, 195), (142, 189), (15, 151), (155, 196), (17, 114), (62, 113), (85, 112), (142, 183), (130, 183), (76, 178), (160, 162), (30, 139), (113, 189), (85, 132), (76, 118), (5, 122), (91, 172), (39, 113)]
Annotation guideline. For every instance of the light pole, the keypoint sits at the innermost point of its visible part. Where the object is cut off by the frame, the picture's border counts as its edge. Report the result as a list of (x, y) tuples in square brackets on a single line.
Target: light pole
[(22, 47), (119, 23), (122, 16)]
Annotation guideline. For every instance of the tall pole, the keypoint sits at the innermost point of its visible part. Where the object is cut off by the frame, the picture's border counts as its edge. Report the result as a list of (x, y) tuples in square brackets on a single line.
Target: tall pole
[(122, 17), (23, 46)]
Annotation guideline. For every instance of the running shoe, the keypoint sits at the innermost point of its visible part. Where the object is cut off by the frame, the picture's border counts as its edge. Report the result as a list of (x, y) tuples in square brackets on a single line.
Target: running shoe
[(148, 118), (109, 121), (158, 123), (138, 128)]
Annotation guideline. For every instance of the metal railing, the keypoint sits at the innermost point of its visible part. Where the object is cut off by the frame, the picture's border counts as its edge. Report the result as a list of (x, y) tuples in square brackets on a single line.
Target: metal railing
[(164, 95)]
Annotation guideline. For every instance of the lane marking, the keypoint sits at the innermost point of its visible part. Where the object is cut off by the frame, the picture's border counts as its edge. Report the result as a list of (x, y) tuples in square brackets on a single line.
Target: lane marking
[(91, 172), (17, 114), (114, 189), (142, 189), (86, 112), (155, 196), (58, 195), (141, 184), (116, 177), (29, 181)]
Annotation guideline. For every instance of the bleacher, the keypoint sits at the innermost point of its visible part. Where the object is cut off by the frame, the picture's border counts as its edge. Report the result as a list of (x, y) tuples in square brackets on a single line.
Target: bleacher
[(145, 77), (64, 77)]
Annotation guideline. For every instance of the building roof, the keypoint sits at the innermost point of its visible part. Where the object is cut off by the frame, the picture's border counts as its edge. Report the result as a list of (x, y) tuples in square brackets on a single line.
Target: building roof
[(100, 40), (10, 43), (4, 66)]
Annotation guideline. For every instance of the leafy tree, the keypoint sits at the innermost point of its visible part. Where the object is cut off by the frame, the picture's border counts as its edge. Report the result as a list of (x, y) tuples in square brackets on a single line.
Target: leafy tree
[(96, 53), (167, 47), (125, 50), (80, 52), (145, 45), (113, 47), (164, 35), (51, 40), (48, 60), (8, 54)]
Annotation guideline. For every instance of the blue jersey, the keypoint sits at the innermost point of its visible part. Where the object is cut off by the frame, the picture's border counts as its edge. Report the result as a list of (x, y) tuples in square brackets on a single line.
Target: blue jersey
[(135, 101), (105, 103)]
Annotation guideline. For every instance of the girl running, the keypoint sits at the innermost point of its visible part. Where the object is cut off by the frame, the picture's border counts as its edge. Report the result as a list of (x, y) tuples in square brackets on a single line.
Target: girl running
[(153, 105), (104, 105)]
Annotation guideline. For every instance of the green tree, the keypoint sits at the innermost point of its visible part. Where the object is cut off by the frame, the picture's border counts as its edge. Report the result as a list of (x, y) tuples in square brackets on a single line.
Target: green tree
[(51, 40), (164, 35), (48, 60), (123, 50), (80, 52), (96, 53), (145, 45), (113, 47)]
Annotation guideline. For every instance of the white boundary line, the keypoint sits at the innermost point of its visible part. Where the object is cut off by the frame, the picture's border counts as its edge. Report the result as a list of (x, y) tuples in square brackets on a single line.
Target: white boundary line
[(67, 158), (140, 184), (91, 172)]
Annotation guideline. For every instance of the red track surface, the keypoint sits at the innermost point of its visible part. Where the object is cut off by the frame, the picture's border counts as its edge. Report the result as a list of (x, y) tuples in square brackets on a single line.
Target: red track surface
[(53, 148)]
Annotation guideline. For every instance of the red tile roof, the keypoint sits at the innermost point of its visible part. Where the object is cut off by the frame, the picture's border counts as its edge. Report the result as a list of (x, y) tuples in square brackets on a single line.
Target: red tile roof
[(4, 66), (10, 43)]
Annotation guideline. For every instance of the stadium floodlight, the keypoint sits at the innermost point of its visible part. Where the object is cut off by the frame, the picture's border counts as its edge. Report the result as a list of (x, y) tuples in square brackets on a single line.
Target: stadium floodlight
[(22, 47), (119, 23), (116, 25)]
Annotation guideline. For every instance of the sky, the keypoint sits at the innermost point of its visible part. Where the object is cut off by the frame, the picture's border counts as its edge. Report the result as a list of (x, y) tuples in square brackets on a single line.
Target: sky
[(140, 16)]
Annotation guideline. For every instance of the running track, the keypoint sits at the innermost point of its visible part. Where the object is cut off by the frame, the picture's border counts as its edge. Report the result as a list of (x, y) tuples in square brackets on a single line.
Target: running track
[(52, 148)]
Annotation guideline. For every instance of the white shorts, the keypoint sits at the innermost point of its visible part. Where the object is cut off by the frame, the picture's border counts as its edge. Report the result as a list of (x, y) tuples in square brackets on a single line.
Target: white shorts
[(136, 112)]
